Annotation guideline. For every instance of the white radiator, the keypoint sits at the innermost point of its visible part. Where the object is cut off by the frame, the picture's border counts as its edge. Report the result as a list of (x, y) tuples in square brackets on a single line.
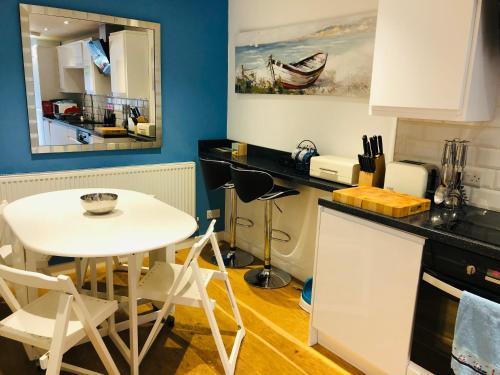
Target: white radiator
[(172, 183)]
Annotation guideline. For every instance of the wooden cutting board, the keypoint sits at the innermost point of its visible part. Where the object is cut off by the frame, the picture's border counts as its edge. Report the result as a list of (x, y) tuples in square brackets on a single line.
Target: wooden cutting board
[(110, 130), (382, 201)]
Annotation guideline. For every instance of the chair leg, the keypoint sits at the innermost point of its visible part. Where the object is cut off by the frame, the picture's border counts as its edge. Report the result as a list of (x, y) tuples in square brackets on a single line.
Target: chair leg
[(96, 340), (57, 345)]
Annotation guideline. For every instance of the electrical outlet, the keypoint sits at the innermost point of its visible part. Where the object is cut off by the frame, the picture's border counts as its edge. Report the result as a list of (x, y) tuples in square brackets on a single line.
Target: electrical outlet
[(472, 178), (213, 214)]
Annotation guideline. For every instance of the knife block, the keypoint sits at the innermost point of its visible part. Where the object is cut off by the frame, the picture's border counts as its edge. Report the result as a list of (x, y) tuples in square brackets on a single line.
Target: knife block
[(376, 178)]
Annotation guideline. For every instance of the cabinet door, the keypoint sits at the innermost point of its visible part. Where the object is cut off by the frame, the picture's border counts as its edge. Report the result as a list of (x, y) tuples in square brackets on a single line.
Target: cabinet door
[(422, 53), (365, 286), (45, 136), (117, 61)]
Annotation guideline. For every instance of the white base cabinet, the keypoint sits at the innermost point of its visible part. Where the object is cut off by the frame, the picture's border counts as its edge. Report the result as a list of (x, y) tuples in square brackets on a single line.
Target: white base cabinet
[(364, 291), (435, 59)]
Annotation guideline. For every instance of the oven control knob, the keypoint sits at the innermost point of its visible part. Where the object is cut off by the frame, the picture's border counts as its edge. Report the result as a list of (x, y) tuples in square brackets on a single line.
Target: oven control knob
[(471, 270)]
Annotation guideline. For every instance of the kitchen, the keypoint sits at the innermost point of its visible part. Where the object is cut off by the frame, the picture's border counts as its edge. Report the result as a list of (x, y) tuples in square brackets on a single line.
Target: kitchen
[(342, 159), (83, 101)]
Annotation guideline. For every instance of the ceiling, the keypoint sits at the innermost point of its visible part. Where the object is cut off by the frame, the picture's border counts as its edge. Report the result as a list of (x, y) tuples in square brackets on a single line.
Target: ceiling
[(53, 27)]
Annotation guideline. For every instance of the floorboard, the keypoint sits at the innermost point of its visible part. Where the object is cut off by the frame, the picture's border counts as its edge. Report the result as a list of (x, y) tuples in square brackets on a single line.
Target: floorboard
[(276, 340)]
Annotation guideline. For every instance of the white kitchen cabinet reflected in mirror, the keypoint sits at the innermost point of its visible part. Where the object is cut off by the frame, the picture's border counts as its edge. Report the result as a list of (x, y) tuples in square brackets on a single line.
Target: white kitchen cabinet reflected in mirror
[(92, 81)]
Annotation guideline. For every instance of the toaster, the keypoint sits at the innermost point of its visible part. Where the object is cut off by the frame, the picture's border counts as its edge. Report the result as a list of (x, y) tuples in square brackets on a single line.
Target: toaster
[(146, 128), (335, 168), (411, 177)]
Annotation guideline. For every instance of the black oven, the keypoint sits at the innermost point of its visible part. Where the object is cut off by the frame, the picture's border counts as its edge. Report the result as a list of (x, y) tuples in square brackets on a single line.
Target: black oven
[(446, 272)]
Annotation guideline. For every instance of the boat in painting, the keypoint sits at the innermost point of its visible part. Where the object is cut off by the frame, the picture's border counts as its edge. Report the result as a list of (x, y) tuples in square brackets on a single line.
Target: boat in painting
[(300, 74)]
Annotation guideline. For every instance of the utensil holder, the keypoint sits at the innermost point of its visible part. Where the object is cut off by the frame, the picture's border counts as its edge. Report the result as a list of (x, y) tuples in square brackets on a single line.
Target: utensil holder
[(376, 178)]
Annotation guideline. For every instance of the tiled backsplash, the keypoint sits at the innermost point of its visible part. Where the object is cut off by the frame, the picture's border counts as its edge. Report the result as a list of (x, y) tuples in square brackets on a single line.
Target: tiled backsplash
[(423, 141), (101, 103)]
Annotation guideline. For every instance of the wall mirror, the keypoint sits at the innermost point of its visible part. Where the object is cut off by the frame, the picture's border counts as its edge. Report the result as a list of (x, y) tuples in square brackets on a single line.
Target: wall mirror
[(92, 81)]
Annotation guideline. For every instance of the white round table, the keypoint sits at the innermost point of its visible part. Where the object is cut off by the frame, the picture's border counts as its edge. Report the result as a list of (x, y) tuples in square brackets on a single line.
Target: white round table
[(56, 224)]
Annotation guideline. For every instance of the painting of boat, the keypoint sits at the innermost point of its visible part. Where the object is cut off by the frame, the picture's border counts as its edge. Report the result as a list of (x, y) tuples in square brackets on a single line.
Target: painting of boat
[(298, 75), (324, 57)]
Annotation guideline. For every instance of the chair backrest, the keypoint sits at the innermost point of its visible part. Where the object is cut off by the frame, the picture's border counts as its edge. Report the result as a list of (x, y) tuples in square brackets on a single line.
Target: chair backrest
[(216, 173), (61, 283), (194, 253), (251, 184), (3, 204)]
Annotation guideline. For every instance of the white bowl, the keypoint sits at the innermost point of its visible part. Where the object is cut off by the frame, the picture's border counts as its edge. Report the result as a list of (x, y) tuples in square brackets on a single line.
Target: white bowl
[(99, 203)]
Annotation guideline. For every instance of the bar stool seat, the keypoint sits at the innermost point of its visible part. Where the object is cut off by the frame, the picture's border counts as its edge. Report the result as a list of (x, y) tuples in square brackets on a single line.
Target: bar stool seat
[(253, 185), (217, 175), (278, 192)]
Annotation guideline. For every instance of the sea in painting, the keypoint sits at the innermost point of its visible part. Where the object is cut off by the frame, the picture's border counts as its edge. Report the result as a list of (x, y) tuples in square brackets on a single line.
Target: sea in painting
[(327, 57)]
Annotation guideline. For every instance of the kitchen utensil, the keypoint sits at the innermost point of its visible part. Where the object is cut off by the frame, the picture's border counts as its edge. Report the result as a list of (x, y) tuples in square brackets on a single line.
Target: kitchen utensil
[(373, 146), (380, 145), (110, 131), (453, 161), (366, 146), (382, 201), (440, 194), (99, 203)]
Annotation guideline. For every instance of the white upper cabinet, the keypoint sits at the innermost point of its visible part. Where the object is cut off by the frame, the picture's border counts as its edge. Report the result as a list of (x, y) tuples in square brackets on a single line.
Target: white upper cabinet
[(95, 82), (78, 73), (130, 64), (435, 59), (70, 59)]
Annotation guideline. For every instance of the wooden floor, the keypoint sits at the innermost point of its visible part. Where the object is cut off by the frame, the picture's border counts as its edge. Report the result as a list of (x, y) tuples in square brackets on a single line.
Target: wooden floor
[(276, 340)]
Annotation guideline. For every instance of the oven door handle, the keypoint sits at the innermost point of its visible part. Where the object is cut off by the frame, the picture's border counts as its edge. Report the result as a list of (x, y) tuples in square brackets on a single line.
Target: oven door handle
[(441, 285)]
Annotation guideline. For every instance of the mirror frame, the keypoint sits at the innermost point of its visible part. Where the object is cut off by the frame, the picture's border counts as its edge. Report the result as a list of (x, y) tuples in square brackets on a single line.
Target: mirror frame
[(24, 11)]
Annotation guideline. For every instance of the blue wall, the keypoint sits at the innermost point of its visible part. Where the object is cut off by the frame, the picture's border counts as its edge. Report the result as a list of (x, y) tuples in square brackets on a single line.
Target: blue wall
[(194, 87)]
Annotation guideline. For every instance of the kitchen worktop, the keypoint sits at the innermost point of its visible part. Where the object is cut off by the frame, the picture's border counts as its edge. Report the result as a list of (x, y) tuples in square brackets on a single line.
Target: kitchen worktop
[(89, 127), (470, 228), (274, 162)]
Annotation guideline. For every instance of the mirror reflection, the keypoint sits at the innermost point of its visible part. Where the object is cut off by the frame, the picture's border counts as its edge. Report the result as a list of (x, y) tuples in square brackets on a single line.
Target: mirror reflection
[(93, 81)]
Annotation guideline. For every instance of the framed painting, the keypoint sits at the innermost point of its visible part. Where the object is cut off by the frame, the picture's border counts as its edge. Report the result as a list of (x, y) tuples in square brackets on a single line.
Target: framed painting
[(326, 57)]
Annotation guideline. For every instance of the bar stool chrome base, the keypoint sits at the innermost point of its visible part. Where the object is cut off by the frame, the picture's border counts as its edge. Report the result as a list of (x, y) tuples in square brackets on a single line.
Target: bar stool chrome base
[(235, 258), (267, 278)]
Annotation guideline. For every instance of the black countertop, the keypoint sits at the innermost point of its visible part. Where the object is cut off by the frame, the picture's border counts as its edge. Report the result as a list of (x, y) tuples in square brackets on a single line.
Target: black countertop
[(470, 228), (89, 127), (274, 162)]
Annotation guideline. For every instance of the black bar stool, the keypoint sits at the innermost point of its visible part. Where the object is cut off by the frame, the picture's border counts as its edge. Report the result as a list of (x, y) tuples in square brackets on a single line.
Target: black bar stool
[(217, 175), (251, 185)]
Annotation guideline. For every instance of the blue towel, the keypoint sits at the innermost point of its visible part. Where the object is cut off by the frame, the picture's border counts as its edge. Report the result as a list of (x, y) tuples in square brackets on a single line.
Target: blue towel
[(476, 343)]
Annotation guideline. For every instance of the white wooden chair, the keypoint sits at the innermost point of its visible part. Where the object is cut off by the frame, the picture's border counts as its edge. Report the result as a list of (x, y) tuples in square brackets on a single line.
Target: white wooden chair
[(42, 261), (5, 249), (56, 321), (189, 282)]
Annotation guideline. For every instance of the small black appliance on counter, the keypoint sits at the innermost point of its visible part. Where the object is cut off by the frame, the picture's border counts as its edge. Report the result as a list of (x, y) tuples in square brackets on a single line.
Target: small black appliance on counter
[(302, 155)]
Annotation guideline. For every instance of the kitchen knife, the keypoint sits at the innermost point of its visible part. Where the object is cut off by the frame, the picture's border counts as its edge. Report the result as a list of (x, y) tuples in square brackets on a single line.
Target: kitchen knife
[(380, 145), (373, 145), (361, 162), (366, 147)]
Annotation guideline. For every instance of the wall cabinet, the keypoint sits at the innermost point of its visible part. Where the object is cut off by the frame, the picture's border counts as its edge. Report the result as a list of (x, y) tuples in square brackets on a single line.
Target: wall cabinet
[(364, 292), (78, 73), (435, 59), (130, 64), (70, 61)]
